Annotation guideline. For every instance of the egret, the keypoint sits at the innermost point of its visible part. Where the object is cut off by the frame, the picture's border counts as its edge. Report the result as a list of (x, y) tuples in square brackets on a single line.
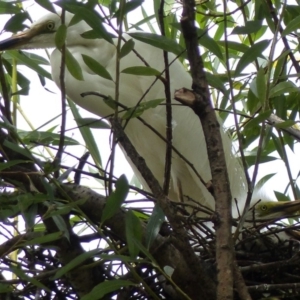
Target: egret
[(188, 137)]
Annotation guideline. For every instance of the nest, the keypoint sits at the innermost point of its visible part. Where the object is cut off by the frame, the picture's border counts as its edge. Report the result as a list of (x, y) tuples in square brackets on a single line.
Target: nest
[(268, 255)]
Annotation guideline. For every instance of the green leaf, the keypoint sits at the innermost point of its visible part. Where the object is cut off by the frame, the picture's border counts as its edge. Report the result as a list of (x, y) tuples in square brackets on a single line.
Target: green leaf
[(47, 5), (133, 233), (128, 7), (60, 36), (73, 66), (91, 35), (215, 81), (92, 123), (140, 246), (45, 138), (6, 288), (12, 163), (250, 27), (293, 25), (261, 85), (15, 23), (23, 151), (21, 56), (112, 257), (141, 70), (127, 48), (285, 124), (75, 263), (250, 55), (44, 239), (206, 41), (22, 275), (36, 58), (100, 290), (29, 216), (158, 41), (109, 101), (90, 16), (234, 46), (146, 19), (251, 159), (281, 196), (115, 199), (96, 67), (278, 146), (86, 135), (283, 87), (137, 111), (154, 224), (258, 119), (9, 8), (260, 184), (281, 67)]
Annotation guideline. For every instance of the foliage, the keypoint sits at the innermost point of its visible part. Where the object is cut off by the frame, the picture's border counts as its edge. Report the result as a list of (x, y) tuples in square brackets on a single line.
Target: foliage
[(249, 51)]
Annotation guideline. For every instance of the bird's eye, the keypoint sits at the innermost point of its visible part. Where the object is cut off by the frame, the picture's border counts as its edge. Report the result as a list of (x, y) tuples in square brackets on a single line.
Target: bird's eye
[(50, 26), (264, 207)]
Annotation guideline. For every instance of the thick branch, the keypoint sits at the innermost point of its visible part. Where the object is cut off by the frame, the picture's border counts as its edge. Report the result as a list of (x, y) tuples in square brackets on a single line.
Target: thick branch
[(221, 190)]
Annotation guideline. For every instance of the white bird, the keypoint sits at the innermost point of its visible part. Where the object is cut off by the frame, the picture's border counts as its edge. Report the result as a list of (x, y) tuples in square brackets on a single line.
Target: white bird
[(188, 137)]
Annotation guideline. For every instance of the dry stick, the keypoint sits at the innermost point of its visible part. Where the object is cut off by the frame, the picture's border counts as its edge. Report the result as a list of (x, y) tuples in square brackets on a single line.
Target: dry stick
[(59, 153), (201, 104), (5, 109), (197, 274), (169, 136)]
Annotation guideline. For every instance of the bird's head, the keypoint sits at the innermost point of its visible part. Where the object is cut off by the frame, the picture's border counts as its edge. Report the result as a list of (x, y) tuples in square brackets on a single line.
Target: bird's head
[(267, 210), (41, 33)]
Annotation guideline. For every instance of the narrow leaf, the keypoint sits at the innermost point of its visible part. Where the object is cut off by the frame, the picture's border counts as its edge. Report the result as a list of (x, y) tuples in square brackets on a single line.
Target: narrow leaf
[(250, 55), (96, 67), (25, 152), (60, 36), (133, 233), (20, 56), (263, 181), (137, 111), (92, 123), (22, 275), (154, 224), (74, 263), (86, 135), (257, 120), (206, 41), (283, 87), (261, 85), (116, 198), (44, 239), (250, 27), (127, 48), (158, 41), (285, 124), (47, 5), (90, 16), (141, 70), (12, 163), (73, 66), (100, 290), (291, 26)]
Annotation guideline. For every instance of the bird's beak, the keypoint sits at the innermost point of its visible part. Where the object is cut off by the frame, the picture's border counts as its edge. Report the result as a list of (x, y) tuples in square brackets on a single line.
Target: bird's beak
[(16, 41), (287, 208), (19, 40)]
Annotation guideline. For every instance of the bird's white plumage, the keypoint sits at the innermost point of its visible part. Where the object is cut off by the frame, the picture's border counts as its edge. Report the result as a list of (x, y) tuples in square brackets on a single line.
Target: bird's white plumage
[(188, 136)]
